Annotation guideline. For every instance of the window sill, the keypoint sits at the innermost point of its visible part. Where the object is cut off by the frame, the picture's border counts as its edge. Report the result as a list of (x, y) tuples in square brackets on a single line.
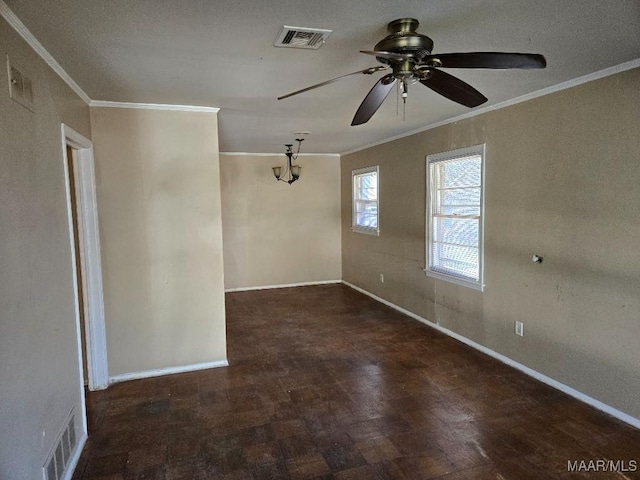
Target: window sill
[(451, 279), (367, 231)]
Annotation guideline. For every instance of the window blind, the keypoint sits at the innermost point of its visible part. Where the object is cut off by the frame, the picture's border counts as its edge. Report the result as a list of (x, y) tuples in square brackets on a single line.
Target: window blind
[(365, 200), (455, 216)]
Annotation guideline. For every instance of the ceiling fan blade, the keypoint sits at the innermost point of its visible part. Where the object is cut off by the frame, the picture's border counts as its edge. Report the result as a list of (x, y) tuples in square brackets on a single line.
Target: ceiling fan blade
[(487, 60), (374, 99), (366, 71), (389, 55), (453, 88)]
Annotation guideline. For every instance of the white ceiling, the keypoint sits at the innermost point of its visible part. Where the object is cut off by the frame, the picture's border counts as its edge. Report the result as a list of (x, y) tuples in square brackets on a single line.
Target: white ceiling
[(221, 54)]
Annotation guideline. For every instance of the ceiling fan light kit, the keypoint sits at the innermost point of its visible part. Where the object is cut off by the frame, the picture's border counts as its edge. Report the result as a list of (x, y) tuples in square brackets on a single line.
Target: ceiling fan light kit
[(409, 56)]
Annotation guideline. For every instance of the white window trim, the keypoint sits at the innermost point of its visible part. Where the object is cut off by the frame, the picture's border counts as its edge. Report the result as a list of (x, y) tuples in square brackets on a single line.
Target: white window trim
[(438, 157), (360, 228)]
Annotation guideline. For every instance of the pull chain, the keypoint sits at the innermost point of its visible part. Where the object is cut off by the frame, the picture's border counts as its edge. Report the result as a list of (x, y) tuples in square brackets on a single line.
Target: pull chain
[(405, 94)]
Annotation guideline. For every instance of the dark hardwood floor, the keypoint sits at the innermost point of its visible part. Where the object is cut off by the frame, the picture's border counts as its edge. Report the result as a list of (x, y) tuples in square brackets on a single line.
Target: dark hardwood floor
[(326, 383)]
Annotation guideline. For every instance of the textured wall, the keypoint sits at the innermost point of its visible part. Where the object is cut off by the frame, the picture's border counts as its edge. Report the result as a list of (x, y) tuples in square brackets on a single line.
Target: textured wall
[(39, 371), (562, 176), (159, 204), (277, 234)]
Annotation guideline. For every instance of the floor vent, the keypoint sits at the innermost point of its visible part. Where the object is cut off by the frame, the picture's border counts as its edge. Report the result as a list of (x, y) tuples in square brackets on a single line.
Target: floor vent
[(301, 37), (58, 459)]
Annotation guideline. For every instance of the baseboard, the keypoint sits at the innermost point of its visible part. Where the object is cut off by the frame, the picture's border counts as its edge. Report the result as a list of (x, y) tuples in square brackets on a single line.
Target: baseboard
[(73, 462), (284, 285), (166, 371), (635, 422)]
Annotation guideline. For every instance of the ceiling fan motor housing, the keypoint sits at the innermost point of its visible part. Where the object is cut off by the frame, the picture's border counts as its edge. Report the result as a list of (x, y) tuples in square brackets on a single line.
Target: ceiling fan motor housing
[(404, 39)]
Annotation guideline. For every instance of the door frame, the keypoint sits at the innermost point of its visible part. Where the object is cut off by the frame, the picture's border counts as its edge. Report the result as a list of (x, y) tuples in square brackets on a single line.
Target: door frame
[(91, 266)]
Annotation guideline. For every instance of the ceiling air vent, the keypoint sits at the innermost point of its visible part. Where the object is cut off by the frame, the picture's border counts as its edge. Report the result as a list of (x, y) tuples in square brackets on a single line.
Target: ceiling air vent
[(302, 37)]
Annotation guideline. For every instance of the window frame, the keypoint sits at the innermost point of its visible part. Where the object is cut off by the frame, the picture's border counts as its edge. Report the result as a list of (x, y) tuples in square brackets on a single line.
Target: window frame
[(354, 226), (441, 157)]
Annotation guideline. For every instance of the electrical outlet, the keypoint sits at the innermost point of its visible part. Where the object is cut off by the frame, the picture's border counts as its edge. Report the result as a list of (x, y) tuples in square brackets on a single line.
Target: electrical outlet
[(381, 278), (519, 328)]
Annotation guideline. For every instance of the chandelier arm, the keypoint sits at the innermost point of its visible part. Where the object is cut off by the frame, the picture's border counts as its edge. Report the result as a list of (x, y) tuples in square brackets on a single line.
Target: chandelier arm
[(295, 157), (288, 176)]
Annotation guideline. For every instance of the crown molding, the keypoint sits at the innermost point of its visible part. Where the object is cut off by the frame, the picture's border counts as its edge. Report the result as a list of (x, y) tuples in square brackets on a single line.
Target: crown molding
[(153, 106), (27, 36), (250, 154), (32, 41), (623, 67)]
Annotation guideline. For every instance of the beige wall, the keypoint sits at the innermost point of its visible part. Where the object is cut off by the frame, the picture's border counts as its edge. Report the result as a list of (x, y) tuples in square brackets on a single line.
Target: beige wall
[(39, 371), (562, 181), (274, 233), (159, 205)]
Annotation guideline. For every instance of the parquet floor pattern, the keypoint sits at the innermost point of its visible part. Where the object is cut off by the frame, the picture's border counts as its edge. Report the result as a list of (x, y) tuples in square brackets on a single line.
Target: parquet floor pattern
[(325, 383)]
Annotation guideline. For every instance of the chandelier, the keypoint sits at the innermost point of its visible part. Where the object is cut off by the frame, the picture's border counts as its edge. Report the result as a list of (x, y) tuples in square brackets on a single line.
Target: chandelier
[(292, 172)]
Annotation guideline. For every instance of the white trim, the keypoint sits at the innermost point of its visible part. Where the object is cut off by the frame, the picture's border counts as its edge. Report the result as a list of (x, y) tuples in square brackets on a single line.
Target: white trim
[(89, 241), (249, 154), (153, 106), (74, 277), (73, 462), (27, 36), (635, 422), (124, 377), (284, 285), (623, 67)]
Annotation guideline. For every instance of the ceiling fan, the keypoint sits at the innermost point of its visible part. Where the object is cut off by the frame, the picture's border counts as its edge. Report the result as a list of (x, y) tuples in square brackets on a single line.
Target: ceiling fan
[(408, 54)]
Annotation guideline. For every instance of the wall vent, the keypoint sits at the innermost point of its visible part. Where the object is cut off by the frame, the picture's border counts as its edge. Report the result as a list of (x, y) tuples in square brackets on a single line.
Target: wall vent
[(302, 37), (58, 460)]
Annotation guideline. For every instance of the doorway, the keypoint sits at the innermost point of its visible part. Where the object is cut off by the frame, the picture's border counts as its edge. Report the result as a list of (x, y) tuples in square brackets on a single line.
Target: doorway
[(85, 252), (73, 199)]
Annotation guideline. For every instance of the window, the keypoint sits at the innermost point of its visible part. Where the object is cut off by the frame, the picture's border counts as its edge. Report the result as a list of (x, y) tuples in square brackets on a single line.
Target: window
[(365, 201), (454, 216)]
